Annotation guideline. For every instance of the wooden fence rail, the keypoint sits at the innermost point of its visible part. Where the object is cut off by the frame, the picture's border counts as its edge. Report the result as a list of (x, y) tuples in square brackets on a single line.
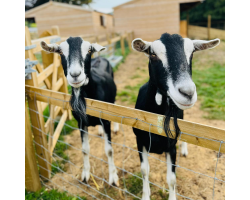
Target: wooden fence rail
[(193, 133)]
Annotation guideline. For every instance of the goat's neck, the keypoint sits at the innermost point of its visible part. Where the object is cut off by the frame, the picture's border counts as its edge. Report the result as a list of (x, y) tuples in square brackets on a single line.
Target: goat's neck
[(150, 104)]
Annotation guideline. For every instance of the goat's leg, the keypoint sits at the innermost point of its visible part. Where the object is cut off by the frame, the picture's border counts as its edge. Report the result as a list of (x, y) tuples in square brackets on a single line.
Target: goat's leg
[(144, 171), (113, 178), (100, 130), (171, 177), (116, 127), (85, 150), (184, 149)]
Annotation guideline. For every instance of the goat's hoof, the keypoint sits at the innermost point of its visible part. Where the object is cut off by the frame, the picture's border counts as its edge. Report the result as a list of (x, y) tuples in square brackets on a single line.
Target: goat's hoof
[(115, 184), (85, 181), (115, 132), (184, 155)]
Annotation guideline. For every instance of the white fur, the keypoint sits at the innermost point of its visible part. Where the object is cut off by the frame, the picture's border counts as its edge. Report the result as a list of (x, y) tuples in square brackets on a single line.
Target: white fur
[(64, 46), (85, 149), (184, 149), (116, 127), (188, 48), (171, 179), (181, 101), (158, 98), (100, 130), (113, 178), (160, 50), (145, 172)]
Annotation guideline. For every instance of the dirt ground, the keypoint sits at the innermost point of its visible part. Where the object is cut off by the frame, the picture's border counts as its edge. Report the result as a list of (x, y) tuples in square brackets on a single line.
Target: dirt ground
[(189, 184)]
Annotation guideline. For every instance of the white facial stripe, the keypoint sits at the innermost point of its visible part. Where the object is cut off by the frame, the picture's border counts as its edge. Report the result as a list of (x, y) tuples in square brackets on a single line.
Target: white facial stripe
[(65, 49), (85, 48), (160, 50), (188, 48)]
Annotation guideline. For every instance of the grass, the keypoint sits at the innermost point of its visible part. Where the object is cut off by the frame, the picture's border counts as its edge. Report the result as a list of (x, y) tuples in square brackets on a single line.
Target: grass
[(118, 52), (134, 185), (210, 83), (44, 194), (131, 92)]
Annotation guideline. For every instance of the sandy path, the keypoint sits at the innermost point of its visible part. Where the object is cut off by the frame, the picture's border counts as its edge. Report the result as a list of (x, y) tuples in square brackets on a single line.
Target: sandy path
[(199, 159)]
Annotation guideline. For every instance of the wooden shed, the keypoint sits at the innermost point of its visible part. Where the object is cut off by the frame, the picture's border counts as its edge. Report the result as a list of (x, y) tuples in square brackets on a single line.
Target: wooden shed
[(150, 18), (72, 20)]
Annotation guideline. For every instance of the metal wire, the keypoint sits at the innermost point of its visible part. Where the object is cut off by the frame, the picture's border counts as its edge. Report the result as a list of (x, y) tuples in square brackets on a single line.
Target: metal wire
[(125, 191)]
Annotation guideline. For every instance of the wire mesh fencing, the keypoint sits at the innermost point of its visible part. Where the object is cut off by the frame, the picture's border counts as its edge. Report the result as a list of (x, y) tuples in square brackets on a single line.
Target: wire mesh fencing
[(199, 176)]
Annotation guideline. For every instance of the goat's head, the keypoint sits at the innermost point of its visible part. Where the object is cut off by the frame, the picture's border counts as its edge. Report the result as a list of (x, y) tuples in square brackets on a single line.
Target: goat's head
[(75, 57), (170, 65)]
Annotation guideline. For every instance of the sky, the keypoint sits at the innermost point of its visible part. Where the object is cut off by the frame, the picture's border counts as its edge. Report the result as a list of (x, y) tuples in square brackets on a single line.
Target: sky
[(106, 5)]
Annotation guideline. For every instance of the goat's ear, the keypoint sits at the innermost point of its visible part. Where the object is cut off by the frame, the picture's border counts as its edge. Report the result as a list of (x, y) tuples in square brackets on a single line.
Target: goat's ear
[(204, 44), (51, 48), (98, 47), (140, 45)]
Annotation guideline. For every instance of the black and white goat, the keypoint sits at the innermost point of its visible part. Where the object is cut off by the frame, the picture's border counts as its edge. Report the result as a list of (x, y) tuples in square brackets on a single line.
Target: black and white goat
[(170, 72), (91, 78)]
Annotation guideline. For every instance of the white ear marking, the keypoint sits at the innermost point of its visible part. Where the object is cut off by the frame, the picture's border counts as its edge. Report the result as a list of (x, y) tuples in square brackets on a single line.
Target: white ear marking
[(140, 45), (98, 47)]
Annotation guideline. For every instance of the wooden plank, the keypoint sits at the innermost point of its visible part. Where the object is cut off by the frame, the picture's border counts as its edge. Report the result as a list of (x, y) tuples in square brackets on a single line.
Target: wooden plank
[(122, 45), (58, 130), (58, 84), (57, 109), (115, 39), (46, 81), (45, 73), (44, 105), (197, 132), (32, 181)]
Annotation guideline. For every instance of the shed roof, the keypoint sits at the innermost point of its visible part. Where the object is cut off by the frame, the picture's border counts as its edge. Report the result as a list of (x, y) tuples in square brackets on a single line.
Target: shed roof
[(33, 10), (179, 1)]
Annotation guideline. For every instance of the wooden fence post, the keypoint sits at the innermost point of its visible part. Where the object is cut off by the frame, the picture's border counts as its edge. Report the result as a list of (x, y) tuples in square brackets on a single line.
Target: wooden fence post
[(133, 35), (122, 45), (208, 26), (37, 120), (187, 23), (32, 181), (129, 40)]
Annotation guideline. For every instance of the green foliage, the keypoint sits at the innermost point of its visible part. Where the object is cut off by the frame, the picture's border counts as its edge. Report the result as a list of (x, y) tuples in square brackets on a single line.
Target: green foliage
[(134, 185), (118, 52), (40, 2), (163, 195), (50, 195), (210, 84), (209, 7), (60, 147)]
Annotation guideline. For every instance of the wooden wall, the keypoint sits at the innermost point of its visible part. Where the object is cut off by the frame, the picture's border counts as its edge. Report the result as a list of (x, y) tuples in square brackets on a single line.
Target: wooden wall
[(148, 18), (197, 32), (97, 24), (72, 22)]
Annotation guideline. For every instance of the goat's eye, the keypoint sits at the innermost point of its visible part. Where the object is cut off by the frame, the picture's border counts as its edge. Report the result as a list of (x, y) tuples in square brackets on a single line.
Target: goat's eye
[(153, 55), (90, 51)]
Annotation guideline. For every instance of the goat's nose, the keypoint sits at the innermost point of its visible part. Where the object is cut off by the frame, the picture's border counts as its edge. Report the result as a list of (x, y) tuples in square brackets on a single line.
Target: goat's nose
[(75, 74), (187, 91)]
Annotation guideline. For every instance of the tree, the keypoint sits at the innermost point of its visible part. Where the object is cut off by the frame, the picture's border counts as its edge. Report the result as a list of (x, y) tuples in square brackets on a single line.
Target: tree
[(209, 7), (34, 3)]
